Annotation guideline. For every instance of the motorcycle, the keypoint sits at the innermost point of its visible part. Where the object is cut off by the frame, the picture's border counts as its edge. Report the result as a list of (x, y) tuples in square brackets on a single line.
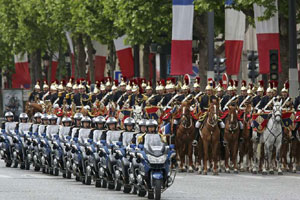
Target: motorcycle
[(154, 173), (108, 160), (6, 143)]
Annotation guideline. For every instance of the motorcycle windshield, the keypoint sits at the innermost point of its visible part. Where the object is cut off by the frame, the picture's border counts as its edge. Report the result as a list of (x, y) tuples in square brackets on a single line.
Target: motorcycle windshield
[(153, 145), (127, 138), (112, 137)]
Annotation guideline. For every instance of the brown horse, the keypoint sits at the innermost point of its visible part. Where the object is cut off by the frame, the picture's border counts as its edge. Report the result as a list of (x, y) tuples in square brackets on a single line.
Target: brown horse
[(231, 136), (210, 134), (185, 136), (246, 147), (32, 108)]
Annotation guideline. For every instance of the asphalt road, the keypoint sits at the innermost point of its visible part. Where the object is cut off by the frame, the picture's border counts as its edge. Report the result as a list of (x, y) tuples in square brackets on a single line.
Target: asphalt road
[(17, 184)]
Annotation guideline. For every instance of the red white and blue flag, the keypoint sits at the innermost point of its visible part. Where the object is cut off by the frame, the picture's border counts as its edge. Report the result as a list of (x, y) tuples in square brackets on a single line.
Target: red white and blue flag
[(234, 38), (182, 36), (267, 33), (21, 77), (124, 53), (100, 59), (166, 129)]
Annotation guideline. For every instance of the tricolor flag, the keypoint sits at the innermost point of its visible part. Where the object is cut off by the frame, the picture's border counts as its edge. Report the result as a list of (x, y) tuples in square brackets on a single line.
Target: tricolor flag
[(100, 59), (267, 33), (166, 129), (234, 37), (182, 36), (68, 35), (124, 53), (21, 77), (54, 66)]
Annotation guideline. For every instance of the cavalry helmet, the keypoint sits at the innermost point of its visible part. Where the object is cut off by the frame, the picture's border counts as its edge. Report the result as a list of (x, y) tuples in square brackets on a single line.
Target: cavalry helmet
[(142, 122), (78, 116), (23, 116), (66, 119)]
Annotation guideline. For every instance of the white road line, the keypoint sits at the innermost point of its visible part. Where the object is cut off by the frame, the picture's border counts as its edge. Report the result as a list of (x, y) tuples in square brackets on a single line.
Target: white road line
[(38, 176), (5, 176), (257, 177)]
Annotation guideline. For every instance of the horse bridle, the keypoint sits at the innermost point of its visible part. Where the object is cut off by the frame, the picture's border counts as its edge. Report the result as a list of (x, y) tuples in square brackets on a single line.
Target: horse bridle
[(187, 118), (275, 121)]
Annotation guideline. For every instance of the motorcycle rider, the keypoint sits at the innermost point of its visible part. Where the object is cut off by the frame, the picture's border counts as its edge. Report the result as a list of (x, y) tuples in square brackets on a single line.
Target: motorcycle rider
[(152, 128)]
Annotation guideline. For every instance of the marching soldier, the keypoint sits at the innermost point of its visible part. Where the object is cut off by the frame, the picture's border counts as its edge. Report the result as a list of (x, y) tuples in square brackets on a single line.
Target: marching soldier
[(36, 94)]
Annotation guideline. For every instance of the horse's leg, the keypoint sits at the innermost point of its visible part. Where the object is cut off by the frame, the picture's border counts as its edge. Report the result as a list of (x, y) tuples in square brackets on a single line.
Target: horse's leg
[(227, 153), (215, 146), (267, 152), (190, 155), (205, 151), (200, 156), (278, 147), (234, 154)]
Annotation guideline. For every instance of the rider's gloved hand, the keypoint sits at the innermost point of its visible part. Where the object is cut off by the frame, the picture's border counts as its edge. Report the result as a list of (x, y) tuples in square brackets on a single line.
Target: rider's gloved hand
[(195, 143)]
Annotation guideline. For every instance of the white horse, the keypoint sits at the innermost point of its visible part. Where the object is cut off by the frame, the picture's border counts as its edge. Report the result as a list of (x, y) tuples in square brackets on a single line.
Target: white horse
[(272, 137)]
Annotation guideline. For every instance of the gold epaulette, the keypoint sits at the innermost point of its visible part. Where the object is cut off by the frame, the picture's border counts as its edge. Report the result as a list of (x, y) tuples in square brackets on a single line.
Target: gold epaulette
[(59, 94), (144, 97), (72, 96), (163, 138), (67, 96), (140, 138)]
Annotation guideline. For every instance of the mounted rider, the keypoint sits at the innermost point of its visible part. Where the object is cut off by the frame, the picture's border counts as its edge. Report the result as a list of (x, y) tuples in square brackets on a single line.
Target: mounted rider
[(36, 95)]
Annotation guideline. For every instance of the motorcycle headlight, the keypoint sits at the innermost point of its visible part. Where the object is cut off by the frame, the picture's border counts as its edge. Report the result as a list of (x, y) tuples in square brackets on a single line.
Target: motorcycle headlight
[(157, 160)]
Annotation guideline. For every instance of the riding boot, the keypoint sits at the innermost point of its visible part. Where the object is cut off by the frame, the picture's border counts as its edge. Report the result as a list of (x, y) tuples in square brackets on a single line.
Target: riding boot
[(197, 136), (241, 139), (174, 130), (222, 130)]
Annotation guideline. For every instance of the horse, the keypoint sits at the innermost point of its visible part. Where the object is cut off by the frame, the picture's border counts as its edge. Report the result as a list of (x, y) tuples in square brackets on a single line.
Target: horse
[(32, 108), (295, 152), (210, 135), (272, 137), (231, 136), (185, 136), (245, 147)]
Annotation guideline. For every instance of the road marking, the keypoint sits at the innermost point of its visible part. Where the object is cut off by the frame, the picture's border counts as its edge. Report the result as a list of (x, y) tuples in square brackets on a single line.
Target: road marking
[(4, 176), (37, 176), (257, 177)]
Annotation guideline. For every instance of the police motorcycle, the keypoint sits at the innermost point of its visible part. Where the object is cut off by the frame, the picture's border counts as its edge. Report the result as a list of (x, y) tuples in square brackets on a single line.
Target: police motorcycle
[(50, 134), (68, 145), (154, 157), (92, 150), (134, 165), (6, 143), (108, 161), (22, 142), (81, 166), (37, 137), (34, 141), (59, 143), (123, 164)]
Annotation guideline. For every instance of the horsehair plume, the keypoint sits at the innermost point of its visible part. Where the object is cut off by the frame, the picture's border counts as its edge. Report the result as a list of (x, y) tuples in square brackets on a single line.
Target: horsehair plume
[(275, 84), (261, 83), (186, 80), (116, 82), (271, 84), (214, 84), (231, 82), (287, 85), (198, 79), (221, 83), (244, 83), (236, 83), (163, 82)]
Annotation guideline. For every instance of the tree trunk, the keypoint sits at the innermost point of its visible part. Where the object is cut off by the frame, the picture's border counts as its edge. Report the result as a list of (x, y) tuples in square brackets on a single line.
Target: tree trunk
[(284, 51), (146, 67), (81, 56), (111, 59), (200, 27), (90, 51), (35, 66)]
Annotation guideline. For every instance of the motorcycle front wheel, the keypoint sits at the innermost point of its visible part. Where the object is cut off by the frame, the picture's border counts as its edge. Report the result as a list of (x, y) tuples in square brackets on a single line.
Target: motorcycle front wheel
[(157, 189)]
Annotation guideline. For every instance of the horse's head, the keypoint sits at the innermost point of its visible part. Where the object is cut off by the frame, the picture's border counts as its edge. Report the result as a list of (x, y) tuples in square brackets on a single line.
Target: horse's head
[(248, 112), (213, 113), (232, 118), (277, 110), (186, 114)]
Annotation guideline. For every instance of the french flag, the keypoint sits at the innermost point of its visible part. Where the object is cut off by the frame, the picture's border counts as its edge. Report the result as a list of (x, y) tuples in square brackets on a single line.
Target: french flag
[(21, 77), (234, 38), (100, 59), (54, 66), (182, 36), (124, 53), (166, 129), (267, 33), (68, 35)]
